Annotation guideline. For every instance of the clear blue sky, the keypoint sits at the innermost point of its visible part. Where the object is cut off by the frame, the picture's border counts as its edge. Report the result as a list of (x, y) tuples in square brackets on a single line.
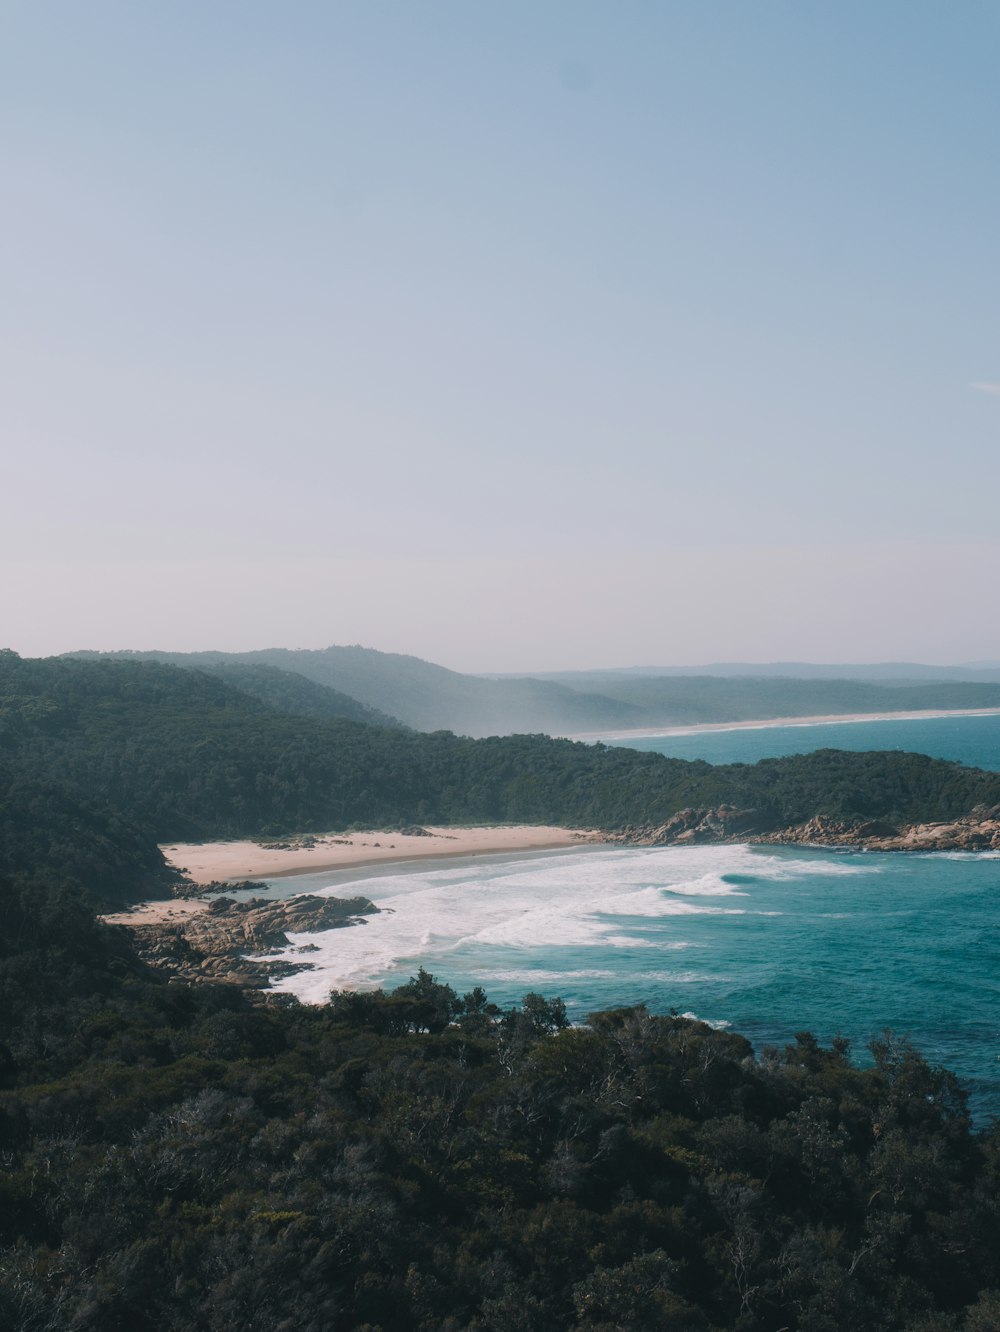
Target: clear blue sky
[(518, 335)]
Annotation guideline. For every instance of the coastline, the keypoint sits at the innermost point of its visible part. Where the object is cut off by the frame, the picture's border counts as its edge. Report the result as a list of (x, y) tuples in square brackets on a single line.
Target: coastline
[(226, 938), (206, 863), (767, 723)]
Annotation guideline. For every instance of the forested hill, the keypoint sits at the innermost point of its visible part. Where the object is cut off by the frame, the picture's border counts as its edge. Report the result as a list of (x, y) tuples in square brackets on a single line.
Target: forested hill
[(430, 697), (423, 695), (171, 754), (176, 1158), (287, 691)]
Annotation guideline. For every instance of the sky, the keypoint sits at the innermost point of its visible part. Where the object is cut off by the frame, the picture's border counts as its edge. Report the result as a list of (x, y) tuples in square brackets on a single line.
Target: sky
[(514, 336)]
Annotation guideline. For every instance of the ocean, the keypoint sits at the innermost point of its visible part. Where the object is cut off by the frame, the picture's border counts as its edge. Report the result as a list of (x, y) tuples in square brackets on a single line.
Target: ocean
[(769, 941), (974, 740)]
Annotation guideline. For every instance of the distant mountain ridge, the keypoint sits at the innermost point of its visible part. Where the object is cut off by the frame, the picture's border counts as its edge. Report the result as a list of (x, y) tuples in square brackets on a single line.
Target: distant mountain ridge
[(364, 684), (419, 693), (131, 753)]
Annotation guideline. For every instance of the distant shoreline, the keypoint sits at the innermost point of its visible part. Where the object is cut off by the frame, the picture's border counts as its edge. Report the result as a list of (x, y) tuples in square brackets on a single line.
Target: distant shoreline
[(767, 723)]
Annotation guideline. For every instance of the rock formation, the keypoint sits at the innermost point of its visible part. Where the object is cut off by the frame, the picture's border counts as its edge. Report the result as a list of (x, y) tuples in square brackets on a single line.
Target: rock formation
[(977, 831), (213, 944)]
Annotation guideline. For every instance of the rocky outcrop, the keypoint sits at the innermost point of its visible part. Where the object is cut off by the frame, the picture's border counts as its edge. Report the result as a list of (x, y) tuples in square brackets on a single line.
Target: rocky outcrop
[(978, 830), (213, 944), (693, 827)]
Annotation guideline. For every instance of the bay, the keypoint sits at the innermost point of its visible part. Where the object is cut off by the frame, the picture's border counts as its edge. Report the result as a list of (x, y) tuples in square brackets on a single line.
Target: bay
[(973, 740), (767, 940)]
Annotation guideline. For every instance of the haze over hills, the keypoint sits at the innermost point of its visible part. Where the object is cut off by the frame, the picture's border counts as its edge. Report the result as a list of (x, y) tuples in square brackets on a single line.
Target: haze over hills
[(137, 752), (421, 694), (364, 684), (288, 691), (982, 672)]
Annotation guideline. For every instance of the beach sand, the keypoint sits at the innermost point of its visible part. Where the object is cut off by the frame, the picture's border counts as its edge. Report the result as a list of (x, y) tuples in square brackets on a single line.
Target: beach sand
[(764, 723), (204, 862), (170, 912), (209, 862)]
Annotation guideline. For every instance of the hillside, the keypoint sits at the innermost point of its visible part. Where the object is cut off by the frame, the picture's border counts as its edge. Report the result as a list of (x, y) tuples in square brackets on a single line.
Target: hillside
[(430, 697), (178, 1158), (168, 754), (421, 694), (296, 694)]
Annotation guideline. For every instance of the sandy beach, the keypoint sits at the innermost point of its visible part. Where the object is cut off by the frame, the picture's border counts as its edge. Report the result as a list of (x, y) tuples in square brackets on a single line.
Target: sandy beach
[(210, 862), (764, 723), (169, 912), (204, 862)]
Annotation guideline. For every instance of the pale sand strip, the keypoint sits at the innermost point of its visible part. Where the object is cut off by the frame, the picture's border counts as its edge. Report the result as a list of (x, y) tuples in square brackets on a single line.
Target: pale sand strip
[(170, 912), (207, 862), (765, 723)]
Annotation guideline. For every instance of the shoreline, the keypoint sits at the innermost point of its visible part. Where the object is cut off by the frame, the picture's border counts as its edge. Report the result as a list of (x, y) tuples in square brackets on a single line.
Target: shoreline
[(205, 863), (768, 723), (208, 862)]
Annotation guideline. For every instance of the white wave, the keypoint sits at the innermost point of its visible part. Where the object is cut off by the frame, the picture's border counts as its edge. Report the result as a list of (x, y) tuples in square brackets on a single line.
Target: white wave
[(720, 1024), (676, 977), (959, 855), (631, 941), (566, 901), (827, 869), (688, 909), (709, 885), (545, 977)]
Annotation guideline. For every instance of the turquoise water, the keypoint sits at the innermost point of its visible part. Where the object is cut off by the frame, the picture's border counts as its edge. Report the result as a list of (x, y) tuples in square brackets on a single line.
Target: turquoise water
[(971, 740), (769, 941)]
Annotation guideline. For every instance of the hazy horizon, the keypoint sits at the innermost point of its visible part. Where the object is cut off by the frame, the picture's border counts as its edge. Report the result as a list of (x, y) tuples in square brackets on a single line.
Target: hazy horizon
[(515, 338), (720, 668)]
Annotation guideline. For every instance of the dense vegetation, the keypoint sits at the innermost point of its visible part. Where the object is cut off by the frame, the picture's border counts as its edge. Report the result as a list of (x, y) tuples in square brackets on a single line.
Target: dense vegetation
[(175, 1159), (430, 697), (286, 691), (50, 825), (161, 754), (178, 1158), (423, 695)]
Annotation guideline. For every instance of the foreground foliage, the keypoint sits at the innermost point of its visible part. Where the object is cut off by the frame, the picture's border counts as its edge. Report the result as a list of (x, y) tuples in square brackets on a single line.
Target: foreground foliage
[(173, 1158), (176, 1159)]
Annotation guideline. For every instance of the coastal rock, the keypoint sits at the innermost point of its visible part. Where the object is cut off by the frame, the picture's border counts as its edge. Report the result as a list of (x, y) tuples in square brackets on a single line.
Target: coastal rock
[(977, 831), (213, 945), (692, 827)]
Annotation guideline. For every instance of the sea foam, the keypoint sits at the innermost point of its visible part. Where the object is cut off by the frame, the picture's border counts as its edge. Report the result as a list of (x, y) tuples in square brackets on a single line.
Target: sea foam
[(577, 901)]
